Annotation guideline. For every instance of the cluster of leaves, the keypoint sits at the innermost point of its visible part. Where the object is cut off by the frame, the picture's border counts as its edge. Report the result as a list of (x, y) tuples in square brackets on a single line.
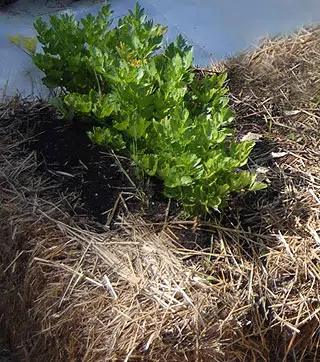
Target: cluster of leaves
[(144, 99)]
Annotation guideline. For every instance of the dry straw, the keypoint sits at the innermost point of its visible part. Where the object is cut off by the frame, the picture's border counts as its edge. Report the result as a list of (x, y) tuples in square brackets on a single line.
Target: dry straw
[(73, 294)]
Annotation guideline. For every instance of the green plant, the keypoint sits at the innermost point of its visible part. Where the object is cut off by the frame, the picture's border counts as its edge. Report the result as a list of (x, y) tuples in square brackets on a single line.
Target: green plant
[(144, 100)]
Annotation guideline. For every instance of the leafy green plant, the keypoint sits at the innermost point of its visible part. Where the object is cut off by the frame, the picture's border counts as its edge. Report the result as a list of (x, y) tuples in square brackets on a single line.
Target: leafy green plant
[(144, 100)]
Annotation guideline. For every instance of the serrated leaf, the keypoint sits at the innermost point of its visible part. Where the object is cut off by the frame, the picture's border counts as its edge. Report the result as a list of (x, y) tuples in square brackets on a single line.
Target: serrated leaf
[(188, 59), (80, 102), (102, 107), (148, 162)]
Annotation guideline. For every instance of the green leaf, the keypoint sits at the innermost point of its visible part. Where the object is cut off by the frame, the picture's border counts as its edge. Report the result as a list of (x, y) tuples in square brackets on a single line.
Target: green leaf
[(80, 102), (256, 186), (65, 112), (188, 59), (148, 163), (175, 180), (186, 180), (107, 137), (137, 127), (102, 107), (100, 136)]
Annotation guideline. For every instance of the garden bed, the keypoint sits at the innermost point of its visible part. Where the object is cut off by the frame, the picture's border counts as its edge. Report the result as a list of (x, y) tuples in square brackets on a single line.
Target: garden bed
[(97, 265)]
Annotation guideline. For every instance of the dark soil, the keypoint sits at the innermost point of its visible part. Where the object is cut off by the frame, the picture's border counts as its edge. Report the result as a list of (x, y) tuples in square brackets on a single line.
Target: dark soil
[(80, 168), (91, 180)]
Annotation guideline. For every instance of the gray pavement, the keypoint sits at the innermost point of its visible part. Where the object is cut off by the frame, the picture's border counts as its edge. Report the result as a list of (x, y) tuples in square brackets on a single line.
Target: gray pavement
[(216, 28)]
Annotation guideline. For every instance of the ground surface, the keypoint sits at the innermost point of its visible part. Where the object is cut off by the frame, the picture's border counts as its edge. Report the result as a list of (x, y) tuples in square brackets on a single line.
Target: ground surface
[(5, 353), (66, 152), (88, 182), (261, 260)]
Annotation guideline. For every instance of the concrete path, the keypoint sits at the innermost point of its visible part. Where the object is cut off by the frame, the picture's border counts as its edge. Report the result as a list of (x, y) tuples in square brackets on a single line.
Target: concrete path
[(216, 28)]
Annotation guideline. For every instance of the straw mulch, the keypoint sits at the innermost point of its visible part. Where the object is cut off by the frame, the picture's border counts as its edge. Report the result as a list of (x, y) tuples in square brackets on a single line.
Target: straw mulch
[(76, 293)]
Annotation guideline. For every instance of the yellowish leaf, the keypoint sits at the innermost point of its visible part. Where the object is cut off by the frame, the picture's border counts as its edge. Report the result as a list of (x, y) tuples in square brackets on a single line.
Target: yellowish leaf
[(30, 44)]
